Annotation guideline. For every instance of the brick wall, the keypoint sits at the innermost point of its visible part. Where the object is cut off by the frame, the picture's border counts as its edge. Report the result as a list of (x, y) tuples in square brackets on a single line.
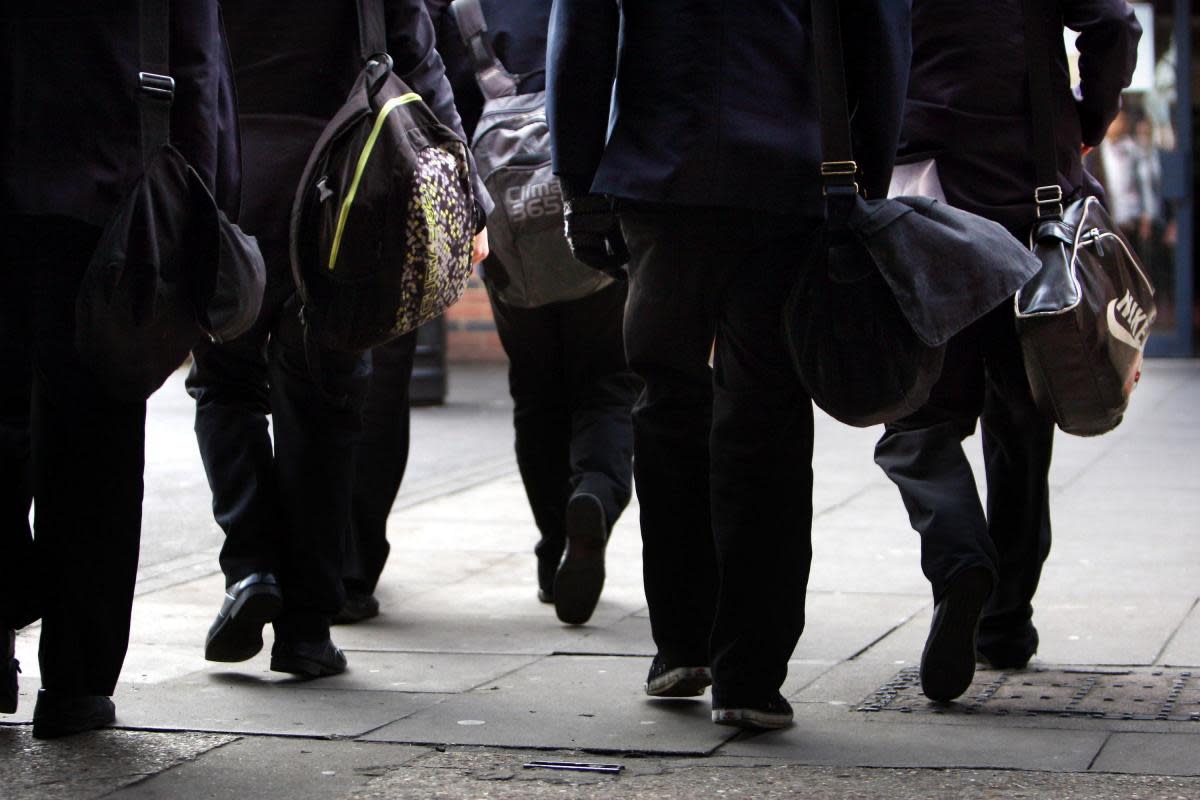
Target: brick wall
[(470, 331)]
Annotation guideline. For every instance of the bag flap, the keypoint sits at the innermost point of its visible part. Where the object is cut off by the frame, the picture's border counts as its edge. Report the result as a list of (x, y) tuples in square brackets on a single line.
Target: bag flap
[(946, 267)]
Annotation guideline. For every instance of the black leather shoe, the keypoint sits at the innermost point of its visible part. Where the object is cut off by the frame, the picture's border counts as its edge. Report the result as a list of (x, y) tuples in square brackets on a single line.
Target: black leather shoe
[(307, 659), (9, 667), (359, 606), (948, 662), (57, 715), (236, 633), (580, 575), (1008, 651)]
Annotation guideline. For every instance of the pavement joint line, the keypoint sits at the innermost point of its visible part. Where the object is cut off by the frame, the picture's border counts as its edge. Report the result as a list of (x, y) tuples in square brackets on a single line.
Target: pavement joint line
[(1098, 753), (1162, 651), (842, 503), (191, 759), (889, 632)]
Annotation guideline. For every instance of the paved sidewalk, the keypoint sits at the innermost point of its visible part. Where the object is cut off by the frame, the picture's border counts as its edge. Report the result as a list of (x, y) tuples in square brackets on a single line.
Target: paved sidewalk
[(466, 676)]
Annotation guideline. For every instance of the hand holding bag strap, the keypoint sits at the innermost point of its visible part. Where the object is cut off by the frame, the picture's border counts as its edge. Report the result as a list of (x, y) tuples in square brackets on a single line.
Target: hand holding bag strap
[(493, 79), (156, 88), (839, 171), (1048, 195)]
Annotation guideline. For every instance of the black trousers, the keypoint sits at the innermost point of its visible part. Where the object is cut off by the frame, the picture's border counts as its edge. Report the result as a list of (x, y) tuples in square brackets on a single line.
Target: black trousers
[(73, 453), (572, 396), (723, 456), (983, 379), (380, 458), (283, 501)]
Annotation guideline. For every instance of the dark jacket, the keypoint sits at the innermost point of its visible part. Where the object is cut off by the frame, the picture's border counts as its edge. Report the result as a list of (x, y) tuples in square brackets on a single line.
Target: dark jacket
[(295, 63), (517, 31), (715, 104), (69, 134), (968, 100)]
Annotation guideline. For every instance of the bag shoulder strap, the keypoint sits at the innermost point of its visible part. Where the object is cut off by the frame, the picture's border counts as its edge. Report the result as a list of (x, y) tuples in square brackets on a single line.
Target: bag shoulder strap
[(493, 79), (839, 171), (372, 29), (156, 87), (1048, 195)]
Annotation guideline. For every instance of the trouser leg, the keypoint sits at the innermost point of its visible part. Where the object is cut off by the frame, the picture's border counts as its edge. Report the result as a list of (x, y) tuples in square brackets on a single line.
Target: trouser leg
[(1017, 444), (380, 458), (537, 381), (316, 428), (88, 458), (670, 321), (922, 454), (602, 392)]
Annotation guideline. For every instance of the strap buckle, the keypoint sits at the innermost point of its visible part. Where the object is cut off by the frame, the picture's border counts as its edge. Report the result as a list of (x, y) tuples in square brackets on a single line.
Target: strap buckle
[(160, 87), (840, 174), (1049, 201)]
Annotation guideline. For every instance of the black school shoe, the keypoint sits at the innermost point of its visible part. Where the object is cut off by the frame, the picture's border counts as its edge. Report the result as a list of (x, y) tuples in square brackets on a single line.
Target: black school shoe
[(236, 633), (580, 576), (9, 667), (359, 606), (305, 659), (948, 662), (57, 715), (667, 681), (1006, 652), (766, 715)]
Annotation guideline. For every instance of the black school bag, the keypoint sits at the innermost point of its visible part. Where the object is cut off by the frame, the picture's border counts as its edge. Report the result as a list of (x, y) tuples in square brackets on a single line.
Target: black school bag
[(511, 146), (384, 216)]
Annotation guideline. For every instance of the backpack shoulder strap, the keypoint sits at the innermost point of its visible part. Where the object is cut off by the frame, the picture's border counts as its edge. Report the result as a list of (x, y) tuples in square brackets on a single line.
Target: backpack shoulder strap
[(1048, 195), (493, 79), (372, 28), (156, 87)]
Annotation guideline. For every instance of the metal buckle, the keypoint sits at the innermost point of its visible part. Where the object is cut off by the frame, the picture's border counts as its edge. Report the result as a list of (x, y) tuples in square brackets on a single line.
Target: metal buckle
[(839, 173), (160, 86), (1049, 201)]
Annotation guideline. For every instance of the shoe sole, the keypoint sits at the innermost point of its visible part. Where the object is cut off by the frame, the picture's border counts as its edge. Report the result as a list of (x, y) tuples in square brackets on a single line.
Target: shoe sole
[(46, 729), (304, 667), (948, 661), (580, 576), (680, 682), (238, 637), (751, 719)]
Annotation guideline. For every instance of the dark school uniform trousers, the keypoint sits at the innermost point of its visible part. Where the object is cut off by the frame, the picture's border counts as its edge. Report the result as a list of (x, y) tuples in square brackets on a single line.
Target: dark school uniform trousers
[(983, 379), (723, 456), (74, 453), (572, 398)]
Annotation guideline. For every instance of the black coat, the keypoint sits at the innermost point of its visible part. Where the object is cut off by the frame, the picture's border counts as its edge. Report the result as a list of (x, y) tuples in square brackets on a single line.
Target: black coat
[(968, 102), (715, 101), (517, 31), (69, 134), (294, 64)]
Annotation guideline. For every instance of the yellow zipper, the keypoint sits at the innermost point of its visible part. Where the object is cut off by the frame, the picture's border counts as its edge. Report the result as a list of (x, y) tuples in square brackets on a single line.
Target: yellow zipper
[(363, 158)]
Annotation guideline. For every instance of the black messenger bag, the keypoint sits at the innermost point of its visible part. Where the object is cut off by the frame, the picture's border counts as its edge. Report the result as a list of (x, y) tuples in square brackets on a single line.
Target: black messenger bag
[(170, 268), (1084, 318), (887, 282), (384, 216)]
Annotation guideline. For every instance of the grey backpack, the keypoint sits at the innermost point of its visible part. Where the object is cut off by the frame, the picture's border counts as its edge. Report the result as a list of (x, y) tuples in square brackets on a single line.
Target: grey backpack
[(512, 151)]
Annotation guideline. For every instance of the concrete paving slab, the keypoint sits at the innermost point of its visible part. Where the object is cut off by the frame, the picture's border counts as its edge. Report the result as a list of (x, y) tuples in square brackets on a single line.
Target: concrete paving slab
[(241, 703), (848, 683), (1091, 629), (90, 765), (1184, 647), (584, 702), (866, 744), (625, 637), (296, 769), (457, 630), (1150, 754), (840, 624)]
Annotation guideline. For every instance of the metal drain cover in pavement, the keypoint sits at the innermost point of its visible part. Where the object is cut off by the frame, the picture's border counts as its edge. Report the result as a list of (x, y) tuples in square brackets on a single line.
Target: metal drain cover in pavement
[(1134, 694)]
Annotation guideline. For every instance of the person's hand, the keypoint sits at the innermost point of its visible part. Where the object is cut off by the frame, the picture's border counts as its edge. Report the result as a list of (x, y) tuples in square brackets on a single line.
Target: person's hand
[(594, 233), (479, 247)]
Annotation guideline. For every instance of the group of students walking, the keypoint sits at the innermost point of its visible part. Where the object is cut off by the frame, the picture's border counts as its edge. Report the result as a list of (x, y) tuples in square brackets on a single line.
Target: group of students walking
[(685, 137)]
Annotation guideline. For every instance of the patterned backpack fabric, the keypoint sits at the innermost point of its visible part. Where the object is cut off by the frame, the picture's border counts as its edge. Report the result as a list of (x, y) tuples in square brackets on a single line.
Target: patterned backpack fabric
[(383, 220)]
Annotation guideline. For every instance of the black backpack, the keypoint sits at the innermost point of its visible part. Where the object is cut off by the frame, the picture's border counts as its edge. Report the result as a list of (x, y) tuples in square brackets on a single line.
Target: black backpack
[(384, 216), (511, 146)]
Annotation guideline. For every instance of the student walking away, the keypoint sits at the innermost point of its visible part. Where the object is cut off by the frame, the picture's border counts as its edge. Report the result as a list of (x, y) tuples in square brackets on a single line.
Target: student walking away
[(285, 504), (713, 158), (558, 319), (66, 446), (967, 126)]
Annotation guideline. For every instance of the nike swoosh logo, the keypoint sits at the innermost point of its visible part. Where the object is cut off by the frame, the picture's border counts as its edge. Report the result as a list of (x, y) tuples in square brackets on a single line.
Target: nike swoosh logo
[(1118, 330)]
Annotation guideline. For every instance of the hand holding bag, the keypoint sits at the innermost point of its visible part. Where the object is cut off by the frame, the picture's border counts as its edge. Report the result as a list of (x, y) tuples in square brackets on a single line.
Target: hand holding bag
[(1084, 318), (170, 268), (886, 282)]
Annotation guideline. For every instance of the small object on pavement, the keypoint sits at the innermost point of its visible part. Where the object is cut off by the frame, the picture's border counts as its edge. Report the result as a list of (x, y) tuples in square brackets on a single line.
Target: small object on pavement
[(575, 766)]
